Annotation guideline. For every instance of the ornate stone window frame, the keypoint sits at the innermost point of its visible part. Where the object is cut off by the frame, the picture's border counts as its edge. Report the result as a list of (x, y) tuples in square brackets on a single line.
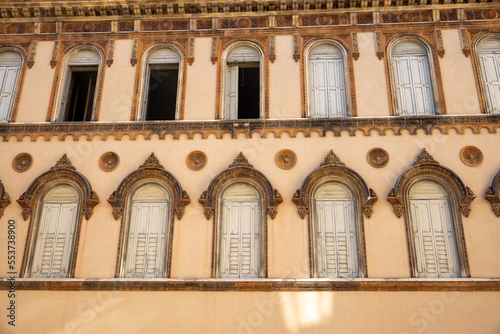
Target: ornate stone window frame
[(426, 168), (151, 171), (434, 72), (493, 194), (263, 73), (138, 114), (334, 170), (62, 75), (20, 77), (348, 74), (4, 199), (240, 171), (477, 39), (63, 173)]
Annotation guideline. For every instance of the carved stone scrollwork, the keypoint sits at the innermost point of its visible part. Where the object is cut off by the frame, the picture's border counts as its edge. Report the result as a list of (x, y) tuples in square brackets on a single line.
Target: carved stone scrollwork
[(62, 171), (426, 167), (240, 169), (493, 195), (152, 170), (333, 169), (4, 199)]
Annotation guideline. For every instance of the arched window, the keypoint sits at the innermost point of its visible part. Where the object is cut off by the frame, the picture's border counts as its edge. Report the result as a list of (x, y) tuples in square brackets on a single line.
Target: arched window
[(55, 233), (432, 230), (10, 65), (243, 83), (327, 82), (488, 52), (240, 225), (148, 231), (79, 89), (335, 231), (412, 79), (161, 85)]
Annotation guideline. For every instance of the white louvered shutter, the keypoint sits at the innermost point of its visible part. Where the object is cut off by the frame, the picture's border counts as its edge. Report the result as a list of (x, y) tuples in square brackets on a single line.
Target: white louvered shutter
[(489, 62), (243, 54), (240, 234), (414, 94), (10, 63), (336, 250), (232, 92), (55, 234), (147, 239), (327, 82), (164, 56), (433, 233)]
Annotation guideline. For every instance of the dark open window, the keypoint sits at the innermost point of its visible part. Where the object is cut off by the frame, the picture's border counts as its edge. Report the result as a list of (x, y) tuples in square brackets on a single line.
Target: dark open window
[(248, 92), (82, 92), (162, 92)]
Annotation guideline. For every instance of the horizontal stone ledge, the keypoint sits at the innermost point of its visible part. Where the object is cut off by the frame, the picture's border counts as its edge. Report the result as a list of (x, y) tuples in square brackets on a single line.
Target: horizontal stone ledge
[(169, 284)]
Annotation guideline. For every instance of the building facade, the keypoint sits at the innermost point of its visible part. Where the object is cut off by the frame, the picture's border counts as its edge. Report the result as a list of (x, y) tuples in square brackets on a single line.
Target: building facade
[(268, 166)]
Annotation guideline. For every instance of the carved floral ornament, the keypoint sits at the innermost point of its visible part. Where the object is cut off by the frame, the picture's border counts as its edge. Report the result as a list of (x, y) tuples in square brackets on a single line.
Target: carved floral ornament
[(334, 169), (4, 199), (153, 170), (493, 195), (63, 170), (240, 169), (426, 167)]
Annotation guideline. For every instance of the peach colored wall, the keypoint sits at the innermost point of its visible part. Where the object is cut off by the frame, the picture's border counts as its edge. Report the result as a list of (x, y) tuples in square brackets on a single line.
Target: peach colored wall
[(459, 82), (37, 86), (254, 312), (201, 81)]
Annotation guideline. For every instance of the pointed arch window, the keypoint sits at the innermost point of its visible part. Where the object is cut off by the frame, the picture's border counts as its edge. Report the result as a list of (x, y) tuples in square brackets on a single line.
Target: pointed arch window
[(148, 232), (432, 230), (10, 68), (327, 81), (412, 79), (162, 85), (488, 52), (243, 82)]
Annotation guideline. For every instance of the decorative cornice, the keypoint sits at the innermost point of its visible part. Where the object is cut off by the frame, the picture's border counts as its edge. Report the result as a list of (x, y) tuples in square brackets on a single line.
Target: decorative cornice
[(425, 158), (352, 126)]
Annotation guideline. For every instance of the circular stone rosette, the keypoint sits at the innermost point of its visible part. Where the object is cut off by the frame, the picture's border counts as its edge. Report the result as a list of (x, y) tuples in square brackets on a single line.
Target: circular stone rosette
[(196, 160), (471, 156), (109, 161), (22, 162), (377, 157), (286, 159)]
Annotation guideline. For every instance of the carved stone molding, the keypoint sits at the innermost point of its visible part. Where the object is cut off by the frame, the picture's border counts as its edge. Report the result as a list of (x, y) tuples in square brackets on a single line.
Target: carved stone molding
[(240, 169), (471, 156), (334, 170), (215, 45), (32, 54), (55, 54), (190, 58), (296, 47), (355, 47), (377, 157), (379, 45), (22, 162), (111, 52), (135, 52), (109, 161), (286, 159), (62, 171), (152, 170), (272, 48), (440, 44), (464, 40), (493, 195), (4, 199), (427, 168), (196, 160)]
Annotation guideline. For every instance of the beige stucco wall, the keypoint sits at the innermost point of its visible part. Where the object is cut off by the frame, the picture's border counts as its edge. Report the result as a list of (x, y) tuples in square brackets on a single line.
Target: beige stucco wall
[(37, 85), (288, 245), (254, 312)]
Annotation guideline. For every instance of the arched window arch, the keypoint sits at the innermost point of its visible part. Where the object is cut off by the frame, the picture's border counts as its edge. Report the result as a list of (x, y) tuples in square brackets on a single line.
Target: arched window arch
[(56, 201), (431, 198), (413, 80), (488, 57), (10, 72), (243, 78), (147, 200), (240, 198), (161, 86), (327, 87), (4, 199), (79, 85), (335, 198)]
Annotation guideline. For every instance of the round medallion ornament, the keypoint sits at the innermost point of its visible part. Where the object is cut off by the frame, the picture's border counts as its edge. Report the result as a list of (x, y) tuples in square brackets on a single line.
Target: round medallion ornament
[(377, 157), (196, 160), (165, 25), (244, 23), (12, 29), (88, 27), (489, 14), (286, 159), (109, 161), (323, 20), (471, 156), (22, 162), (405, 17)]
